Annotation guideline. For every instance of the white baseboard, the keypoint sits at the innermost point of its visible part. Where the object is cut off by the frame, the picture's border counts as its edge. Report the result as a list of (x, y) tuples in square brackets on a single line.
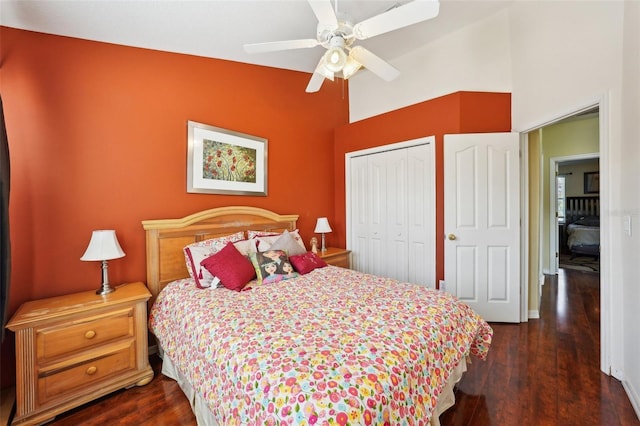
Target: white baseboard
[(633, 396), (617, 373), (534, 314)]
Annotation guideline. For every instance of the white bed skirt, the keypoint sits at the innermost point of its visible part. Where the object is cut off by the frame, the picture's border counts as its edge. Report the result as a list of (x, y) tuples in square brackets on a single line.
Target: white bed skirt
[(204, 417)]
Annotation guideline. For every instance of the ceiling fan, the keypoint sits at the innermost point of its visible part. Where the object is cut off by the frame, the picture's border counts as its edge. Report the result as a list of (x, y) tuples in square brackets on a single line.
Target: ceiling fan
[(337, 33)]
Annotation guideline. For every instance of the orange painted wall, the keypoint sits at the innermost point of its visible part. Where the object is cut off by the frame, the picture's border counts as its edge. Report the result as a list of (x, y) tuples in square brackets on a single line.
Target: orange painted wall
[(98, 139), (460, 112)]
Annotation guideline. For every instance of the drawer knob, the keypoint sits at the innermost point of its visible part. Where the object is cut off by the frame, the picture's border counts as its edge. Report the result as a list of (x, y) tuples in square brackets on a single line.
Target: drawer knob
[(91, 370), (90, 334)]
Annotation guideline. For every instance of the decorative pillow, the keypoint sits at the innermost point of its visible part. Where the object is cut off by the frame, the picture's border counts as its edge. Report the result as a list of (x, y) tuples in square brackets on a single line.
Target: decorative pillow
[(254, 234), (272, 266), (195, 253), (246, 247), (287, 243), (305, 263), (265, 241), (232, 268)]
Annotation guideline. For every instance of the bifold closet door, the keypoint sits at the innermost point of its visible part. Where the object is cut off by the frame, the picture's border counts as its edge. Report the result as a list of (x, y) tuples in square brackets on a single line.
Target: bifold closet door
[(391, 214), (388, 213), (421, 227), (359, 209)]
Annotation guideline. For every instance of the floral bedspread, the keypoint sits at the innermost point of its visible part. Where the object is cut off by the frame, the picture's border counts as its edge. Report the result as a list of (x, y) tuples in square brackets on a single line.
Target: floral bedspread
[(332, 347)]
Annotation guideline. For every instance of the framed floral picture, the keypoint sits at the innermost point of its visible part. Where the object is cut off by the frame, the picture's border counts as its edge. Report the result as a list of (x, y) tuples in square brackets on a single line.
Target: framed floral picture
[(221, 161)]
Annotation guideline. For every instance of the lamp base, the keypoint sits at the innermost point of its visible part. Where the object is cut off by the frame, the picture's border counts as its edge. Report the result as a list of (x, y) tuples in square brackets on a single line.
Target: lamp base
[(105, 289)]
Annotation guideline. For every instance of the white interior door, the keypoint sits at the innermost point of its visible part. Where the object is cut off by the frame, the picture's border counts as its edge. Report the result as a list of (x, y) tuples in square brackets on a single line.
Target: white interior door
[(482, 222)]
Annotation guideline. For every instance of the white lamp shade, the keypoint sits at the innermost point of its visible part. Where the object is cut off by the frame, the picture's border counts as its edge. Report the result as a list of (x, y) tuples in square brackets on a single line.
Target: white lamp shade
[(350, 68), (334, 59), (103, 246), (322, 226)]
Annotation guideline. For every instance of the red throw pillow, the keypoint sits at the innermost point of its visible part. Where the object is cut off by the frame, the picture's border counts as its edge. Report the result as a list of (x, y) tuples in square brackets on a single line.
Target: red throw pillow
[(231, 267), (305, 263)]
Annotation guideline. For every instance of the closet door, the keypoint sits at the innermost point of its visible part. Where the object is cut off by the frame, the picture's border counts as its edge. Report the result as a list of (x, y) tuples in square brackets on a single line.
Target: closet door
[(359, 223), (392, 213), (376, 202), (421, 215), (394, 230)]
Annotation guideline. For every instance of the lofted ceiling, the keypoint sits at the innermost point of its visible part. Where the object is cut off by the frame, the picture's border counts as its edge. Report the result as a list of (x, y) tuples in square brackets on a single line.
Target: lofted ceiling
[(220, 28)]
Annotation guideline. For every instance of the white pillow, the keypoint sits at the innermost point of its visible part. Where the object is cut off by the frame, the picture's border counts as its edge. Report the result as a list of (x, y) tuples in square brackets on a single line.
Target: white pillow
[(265, 241), (246, 247), (287, 242)]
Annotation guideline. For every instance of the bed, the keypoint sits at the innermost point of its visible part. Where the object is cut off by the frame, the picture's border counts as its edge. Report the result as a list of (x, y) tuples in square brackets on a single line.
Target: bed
[(330, 346), (583, 226)]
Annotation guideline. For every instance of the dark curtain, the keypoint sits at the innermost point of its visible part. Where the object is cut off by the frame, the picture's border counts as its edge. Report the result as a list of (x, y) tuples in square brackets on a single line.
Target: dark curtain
[(5, 242)]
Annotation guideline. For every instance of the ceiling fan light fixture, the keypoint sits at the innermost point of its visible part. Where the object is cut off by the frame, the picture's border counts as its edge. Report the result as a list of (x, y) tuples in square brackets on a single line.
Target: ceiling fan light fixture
[(325, 72), (335, 59), (337, 32), (350, 67)]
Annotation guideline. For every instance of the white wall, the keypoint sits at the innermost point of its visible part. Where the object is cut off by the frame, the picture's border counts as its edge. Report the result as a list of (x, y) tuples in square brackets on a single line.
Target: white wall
[(574, 176), (630, 199), (473, 59), (554, 57)]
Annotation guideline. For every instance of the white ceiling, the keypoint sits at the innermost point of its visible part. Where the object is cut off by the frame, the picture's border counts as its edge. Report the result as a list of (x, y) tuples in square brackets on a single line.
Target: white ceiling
[(219, 28)]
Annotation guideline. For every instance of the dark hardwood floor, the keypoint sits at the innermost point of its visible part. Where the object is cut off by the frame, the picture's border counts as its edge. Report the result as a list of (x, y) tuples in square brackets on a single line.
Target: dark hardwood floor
[(544, 372)]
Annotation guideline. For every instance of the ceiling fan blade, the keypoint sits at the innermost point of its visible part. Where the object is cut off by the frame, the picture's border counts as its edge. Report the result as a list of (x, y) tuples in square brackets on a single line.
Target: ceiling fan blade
[(373, 63), (273, 46), (318, 77), (315, 83), (399, 17), (325, 13)]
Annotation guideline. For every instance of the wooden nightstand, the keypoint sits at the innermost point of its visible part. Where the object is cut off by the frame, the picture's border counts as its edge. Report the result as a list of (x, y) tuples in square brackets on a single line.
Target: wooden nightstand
[(336, 257), (75, 348)]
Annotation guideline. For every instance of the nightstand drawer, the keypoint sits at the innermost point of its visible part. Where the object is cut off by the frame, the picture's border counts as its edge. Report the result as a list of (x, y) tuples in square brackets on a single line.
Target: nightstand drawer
[(336, 257), (65, 339), (58, 382), (342, 261)]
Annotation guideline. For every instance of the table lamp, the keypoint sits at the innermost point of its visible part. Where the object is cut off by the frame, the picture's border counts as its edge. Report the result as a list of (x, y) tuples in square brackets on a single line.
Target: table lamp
[(103, 246), (322, 227)]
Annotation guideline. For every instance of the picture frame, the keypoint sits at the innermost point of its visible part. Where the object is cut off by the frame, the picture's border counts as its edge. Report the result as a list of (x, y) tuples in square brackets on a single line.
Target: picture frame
[(591, 182), (221, 161)]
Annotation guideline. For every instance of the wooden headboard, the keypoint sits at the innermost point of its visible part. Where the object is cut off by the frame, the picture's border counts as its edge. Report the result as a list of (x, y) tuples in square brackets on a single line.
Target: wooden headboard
[(579, 207), (167, 237)]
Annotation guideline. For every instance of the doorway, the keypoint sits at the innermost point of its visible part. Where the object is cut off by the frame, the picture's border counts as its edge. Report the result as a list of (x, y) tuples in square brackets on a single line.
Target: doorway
[(576, 213), (567, 142), (540, 202)]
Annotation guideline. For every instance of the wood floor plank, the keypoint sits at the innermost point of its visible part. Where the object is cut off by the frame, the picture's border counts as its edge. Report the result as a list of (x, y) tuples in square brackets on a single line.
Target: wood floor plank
[(544, 372)]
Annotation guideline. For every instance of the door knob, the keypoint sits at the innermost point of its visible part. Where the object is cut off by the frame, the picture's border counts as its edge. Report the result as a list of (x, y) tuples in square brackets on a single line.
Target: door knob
[(451, 237)]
